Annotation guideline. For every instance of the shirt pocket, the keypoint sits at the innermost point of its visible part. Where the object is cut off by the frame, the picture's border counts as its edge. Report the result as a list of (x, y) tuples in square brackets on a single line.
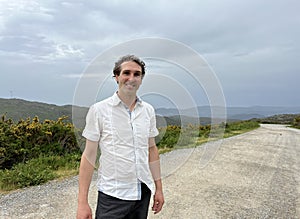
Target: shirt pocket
[(143, 131), (122, 129)]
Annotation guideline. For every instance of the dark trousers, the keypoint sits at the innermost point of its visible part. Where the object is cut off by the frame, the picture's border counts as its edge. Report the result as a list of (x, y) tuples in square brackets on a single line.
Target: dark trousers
[(109, 207)]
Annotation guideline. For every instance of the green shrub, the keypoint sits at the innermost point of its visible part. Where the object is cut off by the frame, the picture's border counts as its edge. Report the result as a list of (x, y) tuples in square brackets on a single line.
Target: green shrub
[(24, 175), (34, 152), (296, 122), (241, 125), (28, 139), (191, 135), (204, 131), (37, 171), (168, 136)]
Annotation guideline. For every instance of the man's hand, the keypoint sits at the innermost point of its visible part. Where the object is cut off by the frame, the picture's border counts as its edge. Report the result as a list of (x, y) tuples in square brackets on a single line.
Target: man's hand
[(84, 211), (154, 165), (158, 201)]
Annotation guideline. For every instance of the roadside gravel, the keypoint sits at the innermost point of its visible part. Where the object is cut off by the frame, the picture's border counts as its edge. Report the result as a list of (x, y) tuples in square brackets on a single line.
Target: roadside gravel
[(253, 175)]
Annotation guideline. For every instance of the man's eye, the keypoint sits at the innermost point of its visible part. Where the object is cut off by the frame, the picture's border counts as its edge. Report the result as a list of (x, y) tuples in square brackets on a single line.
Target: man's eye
[(126, 73), (137, 74)]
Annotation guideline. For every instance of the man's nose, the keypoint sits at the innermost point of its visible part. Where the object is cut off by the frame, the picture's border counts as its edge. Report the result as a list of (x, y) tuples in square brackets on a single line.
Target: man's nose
[(131, 77)]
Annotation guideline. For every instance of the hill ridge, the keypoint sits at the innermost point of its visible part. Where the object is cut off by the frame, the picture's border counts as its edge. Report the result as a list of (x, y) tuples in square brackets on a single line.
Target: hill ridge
[(21, 109)]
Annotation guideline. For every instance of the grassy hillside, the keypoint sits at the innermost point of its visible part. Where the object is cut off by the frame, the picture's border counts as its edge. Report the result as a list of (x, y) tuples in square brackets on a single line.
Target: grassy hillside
[(17, 109), (21, 109), (287, 119)]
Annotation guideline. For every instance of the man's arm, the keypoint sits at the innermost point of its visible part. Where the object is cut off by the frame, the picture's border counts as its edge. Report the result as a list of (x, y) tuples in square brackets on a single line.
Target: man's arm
[(86, 170), (154, 165)]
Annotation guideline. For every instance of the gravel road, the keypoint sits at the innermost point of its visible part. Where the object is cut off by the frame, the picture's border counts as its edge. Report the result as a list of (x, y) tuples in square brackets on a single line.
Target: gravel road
[(253, 175)]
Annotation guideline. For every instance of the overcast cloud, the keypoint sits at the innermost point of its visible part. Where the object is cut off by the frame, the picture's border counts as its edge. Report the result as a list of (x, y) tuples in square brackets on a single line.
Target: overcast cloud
[(252, 46)]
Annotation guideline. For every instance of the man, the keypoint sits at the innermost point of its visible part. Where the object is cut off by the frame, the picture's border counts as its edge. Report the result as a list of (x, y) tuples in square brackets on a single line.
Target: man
[(124, 127)]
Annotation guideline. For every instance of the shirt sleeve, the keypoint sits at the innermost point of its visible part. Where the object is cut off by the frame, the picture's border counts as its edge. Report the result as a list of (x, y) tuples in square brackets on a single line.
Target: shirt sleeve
[(153, 130), (92, 127)]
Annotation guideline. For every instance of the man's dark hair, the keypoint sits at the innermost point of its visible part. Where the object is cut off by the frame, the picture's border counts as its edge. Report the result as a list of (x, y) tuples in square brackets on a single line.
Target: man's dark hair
[(128, 58)]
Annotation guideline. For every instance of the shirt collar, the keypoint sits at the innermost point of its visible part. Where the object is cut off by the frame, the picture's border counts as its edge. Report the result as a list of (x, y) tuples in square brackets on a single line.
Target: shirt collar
[(117, 100)]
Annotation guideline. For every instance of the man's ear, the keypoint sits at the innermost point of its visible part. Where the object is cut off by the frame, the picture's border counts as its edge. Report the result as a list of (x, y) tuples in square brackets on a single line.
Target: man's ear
[(117, 79)]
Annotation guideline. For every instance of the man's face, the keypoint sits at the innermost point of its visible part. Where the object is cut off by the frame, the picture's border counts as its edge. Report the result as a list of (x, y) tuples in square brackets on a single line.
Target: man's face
[(130, 77)]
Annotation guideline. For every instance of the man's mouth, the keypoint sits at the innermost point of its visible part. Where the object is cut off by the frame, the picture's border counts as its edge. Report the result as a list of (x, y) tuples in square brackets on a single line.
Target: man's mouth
[(130, 85)]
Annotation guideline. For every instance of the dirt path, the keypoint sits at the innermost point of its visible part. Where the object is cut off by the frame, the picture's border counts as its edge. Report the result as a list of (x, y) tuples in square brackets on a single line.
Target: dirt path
[(254, 175)]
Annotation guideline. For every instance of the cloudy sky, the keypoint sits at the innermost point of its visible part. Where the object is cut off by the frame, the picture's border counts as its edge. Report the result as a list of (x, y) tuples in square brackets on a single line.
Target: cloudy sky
[(252, 46)]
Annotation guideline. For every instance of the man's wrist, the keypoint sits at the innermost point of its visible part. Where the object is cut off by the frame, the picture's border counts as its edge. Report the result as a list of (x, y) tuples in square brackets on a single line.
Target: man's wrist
[(158, 185), (82, 200)]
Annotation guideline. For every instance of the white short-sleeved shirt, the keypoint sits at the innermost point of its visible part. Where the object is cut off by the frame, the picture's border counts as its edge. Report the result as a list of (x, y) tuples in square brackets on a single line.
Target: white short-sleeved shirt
[(123, 141)]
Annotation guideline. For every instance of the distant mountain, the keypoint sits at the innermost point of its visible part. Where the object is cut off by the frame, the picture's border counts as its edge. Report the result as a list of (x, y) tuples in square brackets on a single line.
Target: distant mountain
[(17, 109), (180, 120), (261, 111), (233, 113), (21, 109)]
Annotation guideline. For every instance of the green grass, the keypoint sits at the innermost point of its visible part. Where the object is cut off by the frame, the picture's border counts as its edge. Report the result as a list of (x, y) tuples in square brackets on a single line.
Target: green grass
[(38, 171), (204, 134), (241, 127)]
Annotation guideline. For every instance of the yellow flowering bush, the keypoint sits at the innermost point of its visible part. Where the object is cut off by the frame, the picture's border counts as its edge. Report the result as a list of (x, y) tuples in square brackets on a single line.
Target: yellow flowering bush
[(30, 138)]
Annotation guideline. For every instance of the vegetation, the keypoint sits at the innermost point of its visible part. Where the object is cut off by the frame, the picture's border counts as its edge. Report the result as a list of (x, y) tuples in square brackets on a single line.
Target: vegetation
[(240, 127), (286, 119), (33, 152), (296, 122), (39, 170), (173, 137), (18, 109)]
